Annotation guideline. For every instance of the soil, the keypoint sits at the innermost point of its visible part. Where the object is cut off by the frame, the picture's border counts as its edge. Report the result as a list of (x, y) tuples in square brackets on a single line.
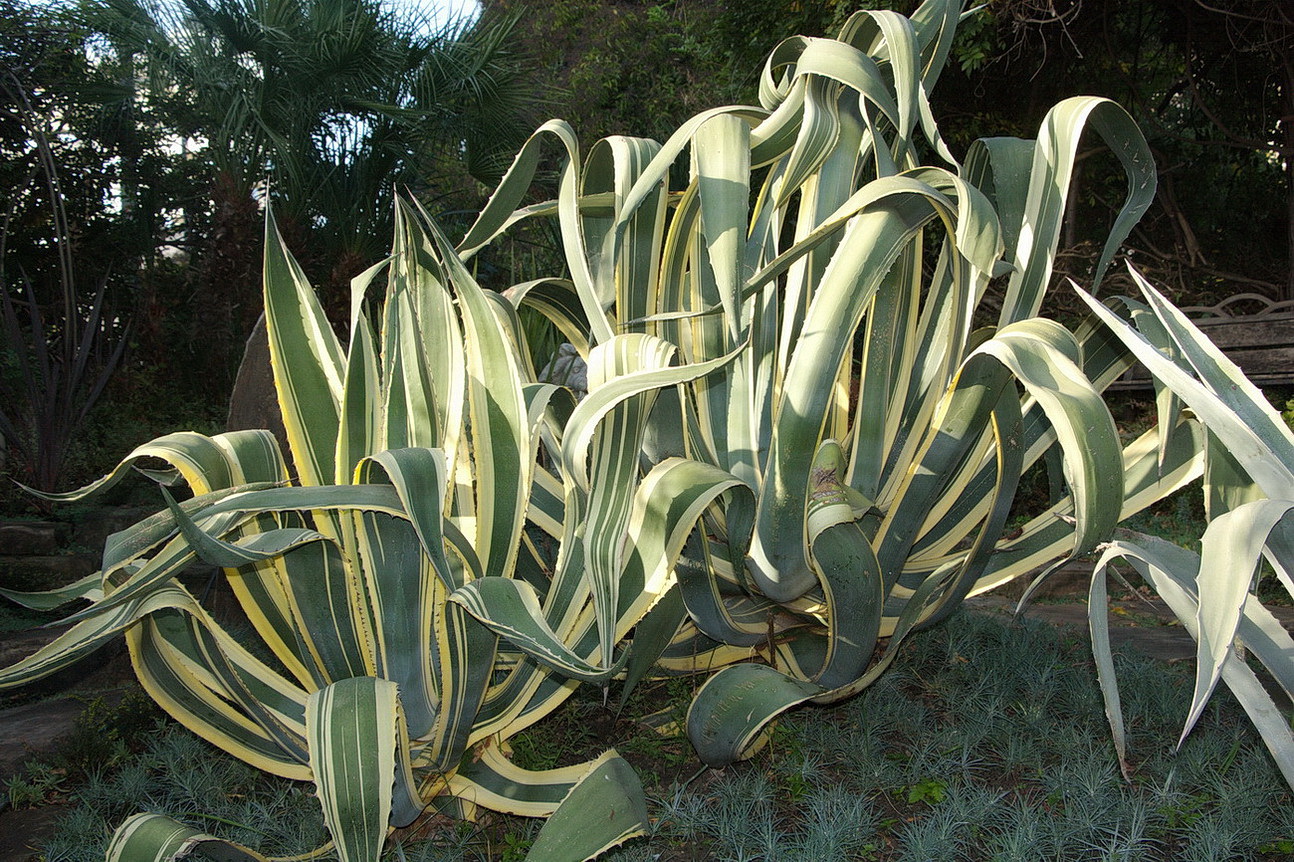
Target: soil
[(36, 726)]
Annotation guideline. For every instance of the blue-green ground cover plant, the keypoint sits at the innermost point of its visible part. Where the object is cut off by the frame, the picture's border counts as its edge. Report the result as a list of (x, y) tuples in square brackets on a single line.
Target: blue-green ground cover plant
[(987, 741)]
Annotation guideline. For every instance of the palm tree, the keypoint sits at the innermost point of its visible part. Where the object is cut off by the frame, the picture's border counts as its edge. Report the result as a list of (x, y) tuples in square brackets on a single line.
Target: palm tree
[(325, 107)]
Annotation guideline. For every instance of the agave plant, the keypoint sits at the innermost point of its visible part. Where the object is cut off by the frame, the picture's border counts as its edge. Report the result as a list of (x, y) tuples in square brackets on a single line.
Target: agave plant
[(877, 418), (414, 470), (1249, 493), (805, 429)]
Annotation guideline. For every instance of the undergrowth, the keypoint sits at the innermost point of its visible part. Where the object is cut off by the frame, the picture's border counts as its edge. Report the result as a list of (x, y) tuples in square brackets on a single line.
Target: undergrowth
[(986, 741)]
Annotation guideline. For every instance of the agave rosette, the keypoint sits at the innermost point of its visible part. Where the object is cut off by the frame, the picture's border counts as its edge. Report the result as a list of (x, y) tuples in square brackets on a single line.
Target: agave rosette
[(877, 425), (379, 571)]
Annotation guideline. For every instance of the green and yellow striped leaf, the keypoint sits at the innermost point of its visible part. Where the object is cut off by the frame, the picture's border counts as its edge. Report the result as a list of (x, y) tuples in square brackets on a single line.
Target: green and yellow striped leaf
[(157, 838), (603, 809), (351, 732)]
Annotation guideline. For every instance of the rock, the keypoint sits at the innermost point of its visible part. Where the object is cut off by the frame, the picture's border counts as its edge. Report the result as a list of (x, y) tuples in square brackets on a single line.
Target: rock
[(32, 574), (567, 368), (93, 527), (16, 646), (33, 537), (254, 402)]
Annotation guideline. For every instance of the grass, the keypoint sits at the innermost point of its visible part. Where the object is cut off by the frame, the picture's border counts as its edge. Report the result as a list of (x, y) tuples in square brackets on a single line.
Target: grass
[(986, 741)]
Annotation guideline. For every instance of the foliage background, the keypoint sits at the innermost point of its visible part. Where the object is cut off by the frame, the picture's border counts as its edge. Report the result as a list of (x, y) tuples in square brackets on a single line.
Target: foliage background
[(1209, 83), (177, 237)]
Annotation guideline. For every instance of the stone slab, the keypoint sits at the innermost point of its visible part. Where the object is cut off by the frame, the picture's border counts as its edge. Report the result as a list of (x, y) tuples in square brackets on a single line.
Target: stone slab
[(93, 527), (33, 574), (42, 538)]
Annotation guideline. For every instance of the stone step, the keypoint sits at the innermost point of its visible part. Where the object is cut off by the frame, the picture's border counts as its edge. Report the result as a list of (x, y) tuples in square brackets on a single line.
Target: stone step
[(44, 538), (35, 573), (92, 528), (15, 646)]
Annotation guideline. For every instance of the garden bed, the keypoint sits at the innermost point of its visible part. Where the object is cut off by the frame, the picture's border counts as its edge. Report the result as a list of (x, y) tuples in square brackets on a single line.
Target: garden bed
[(986, 740)]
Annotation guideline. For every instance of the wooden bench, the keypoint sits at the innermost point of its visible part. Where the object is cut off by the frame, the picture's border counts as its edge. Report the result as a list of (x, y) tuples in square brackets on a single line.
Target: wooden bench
[(1256, 333)]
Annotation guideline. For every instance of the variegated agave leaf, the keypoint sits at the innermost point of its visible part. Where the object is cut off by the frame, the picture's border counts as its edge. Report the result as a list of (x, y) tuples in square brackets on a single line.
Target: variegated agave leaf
[(415, 455), (1249, 455), (880, 433)]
